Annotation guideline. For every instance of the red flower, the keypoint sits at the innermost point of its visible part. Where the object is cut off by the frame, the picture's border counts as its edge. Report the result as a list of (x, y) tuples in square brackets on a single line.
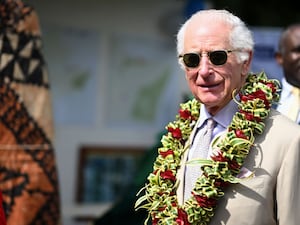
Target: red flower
[(262, 95), (272, 86), (233, 165), (250, 116), (204, 201), (245, 98), (182, 218), (166, 153), (168, 174), (161, 208), (221, 183), (185, 114), (257, 94), (219, 157), (176, 133), (155, 221), (240, 134)]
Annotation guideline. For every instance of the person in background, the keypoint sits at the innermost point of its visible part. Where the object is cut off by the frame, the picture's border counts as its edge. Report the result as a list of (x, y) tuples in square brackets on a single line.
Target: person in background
[(248, 171), (288, 57)]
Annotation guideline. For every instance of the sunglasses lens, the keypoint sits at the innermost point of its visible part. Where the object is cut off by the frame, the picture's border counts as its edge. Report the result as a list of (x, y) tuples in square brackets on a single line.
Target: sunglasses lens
[(191, 60), (218, 57)]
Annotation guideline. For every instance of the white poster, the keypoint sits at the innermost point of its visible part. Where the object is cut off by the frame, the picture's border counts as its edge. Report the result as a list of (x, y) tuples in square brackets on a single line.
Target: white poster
[(143, 83), (72, 56)]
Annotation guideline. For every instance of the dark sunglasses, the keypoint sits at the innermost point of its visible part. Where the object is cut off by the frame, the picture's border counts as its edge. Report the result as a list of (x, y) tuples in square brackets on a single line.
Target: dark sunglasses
[(218, 57)]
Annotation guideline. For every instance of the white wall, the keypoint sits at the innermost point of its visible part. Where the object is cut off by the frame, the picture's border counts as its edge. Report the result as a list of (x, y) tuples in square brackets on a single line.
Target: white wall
[(106, 16)]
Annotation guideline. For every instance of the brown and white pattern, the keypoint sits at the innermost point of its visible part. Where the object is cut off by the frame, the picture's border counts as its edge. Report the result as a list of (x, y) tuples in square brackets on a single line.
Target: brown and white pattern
[(28, 175)]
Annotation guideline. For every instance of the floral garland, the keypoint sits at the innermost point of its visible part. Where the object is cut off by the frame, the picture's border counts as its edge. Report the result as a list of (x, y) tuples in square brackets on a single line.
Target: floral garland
[(160, 200)]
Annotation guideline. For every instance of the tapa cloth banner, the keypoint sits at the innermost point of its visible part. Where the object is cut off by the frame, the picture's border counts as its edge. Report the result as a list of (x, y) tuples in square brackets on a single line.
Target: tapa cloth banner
[(28, 175)]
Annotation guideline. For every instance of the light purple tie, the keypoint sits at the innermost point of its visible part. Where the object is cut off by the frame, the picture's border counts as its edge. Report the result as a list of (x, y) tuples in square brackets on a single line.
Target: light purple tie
[(201, 147)]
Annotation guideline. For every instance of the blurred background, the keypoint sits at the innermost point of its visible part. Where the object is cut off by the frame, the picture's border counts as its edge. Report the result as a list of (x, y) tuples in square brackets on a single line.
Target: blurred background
[(115, 83)]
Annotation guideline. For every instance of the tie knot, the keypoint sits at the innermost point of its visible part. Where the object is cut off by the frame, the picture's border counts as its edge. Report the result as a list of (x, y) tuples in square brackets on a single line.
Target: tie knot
[(210, 123)]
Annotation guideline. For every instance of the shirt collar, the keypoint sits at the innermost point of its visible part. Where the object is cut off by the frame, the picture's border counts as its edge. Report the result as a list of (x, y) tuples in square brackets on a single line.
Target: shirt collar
[(286, 88), (285, 83), (223, 117)]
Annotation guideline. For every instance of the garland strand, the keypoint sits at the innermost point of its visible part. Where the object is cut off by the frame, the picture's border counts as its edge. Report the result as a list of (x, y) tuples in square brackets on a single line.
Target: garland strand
[(160, 200)]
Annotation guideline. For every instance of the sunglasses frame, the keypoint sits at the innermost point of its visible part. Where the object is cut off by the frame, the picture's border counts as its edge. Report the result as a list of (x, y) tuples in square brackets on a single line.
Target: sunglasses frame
[(209, 55)]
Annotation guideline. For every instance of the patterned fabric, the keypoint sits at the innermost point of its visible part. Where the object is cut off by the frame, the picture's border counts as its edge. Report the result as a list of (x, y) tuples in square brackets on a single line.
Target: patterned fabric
[(28, 175)]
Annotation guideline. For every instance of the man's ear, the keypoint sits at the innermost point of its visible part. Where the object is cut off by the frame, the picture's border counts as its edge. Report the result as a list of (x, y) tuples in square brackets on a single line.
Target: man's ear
[(278, 58), (247, 63)]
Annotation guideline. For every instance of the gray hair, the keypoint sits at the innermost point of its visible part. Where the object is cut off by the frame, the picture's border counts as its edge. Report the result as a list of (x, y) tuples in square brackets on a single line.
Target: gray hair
[(240, 36)]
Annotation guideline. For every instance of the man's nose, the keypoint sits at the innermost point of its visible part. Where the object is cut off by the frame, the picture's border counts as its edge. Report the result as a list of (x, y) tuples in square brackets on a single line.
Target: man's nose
[(204, 66)]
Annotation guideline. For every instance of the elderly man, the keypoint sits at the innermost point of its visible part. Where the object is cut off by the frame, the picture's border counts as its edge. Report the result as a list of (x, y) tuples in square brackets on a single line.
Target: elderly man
[(224, 160)]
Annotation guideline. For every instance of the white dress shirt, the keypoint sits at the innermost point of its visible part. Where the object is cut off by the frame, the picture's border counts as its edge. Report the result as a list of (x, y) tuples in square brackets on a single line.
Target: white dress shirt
[(223, 118), (286, 99)]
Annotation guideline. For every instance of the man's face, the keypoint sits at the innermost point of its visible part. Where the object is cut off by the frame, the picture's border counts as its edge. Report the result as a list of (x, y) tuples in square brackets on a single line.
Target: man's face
[(289, 59), (211, 84)]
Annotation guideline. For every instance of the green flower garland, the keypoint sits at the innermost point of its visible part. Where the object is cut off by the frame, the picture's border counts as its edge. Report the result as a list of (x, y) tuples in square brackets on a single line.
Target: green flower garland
[(256, 98)]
